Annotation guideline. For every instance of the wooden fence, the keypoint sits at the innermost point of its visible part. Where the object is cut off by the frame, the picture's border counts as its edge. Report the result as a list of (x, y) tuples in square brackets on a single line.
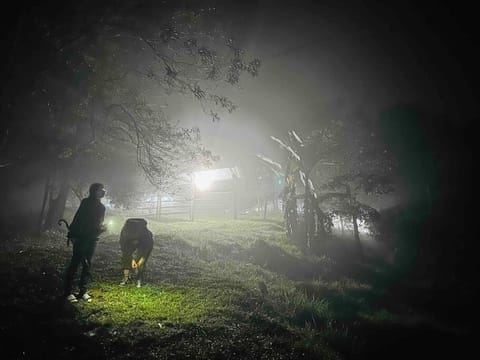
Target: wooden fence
[(205, 204)]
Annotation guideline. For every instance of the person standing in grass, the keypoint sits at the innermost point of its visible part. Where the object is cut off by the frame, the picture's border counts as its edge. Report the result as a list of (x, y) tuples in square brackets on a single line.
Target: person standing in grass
[(86, 227), (135, 237)]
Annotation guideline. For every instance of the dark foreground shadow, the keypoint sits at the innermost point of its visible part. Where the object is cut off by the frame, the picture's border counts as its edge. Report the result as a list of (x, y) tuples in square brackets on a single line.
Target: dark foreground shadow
[(405, 341), (36, 324)]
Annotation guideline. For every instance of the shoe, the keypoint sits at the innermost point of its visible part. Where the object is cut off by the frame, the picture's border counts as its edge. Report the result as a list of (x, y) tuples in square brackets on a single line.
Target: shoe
[(72, 298), (139, 283), (125, 281), (86, 297)]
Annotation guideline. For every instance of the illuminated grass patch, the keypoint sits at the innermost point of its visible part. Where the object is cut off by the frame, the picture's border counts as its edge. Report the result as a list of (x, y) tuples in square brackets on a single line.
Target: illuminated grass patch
[(211, 287), (208, 233), (242, 233), (152, 304)]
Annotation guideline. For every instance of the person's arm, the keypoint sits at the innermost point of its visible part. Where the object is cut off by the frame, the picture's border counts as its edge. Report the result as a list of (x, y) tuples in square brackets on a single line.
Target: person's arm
[(102, 227), (102, 216), (77, 221), (97, 217)]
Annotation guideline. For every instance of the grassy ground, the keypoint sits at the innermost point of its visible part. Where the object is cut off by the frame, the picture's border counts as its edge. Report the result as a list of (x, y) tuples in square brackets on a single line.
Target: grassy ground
[(215, 289)]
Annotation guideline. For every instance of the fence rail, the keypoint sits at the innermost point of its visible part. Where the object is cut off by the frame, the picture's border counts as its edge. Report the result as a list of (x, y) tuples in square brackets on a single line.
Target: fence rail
[(214, 203)]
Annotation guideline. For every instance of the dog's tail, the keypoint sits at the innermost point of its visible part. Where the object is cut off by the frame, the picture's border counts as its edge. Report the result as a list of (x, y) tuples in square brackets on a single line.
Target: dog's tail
[(68, 228), (64, 222)]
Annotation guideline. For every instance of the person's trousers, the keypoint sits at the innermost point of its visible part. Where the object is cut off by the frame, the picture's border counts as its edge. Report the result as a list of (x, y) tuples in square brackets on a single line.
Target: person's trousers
[(83, 250), (127, 256)]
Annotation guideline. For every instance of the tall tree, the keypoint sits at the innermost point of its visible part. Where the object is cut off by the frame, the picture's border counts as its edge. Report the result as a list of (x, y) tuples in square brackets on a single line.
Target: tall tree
[(362, 165), (334, 165), (92, 89), (303, 157)]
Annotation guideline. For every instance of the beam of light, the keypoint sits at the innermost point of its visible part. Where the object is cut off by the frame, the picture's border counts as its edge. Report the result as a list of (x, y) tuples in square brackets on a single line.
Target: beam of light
[(348, 226), (202, 180)]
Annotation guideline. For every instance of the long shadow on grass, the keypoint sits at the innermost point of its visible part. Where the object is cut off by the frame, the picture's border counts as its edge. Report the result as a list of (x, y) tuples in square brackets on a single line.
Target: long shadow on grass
[(277, 260), (36, 323)]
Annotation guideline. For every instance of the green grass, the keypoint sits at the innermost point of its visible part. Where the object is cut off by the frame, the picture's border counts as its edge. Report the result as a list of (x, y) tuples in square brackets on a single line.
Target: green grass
[(152, 304), (223, 282), (207, 233), (242, 233), (209, 274), (219, 288)]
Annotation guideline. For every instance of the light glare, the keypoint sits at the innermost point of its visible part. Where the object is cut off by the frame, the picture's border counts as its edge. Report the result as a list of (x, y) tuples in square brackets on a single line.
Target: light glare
[(203, 181)]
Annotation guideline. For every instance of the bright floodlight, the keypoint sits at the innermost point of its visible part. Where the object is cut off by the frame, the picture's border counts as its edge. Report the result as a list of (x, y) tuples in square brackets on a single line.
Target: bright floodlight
[(202, 180)]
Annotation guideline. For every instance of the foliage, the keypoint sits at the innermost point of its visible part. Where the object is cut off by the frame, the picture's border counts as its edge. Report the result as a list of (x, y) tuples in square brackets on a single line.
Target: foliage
[(101, 88), (333, 165)]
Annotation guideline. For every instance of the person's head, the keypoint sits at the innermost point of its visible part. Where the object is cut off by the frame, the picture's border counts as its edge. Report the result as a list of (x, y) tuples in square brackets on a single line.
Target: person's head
[(96, 190)]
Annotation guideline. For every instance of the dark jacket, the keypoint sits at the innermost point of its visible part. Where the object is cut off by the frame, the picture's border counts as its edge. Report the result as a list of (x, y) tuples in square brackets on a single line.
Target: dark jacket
[(88, 220), (135, 235)]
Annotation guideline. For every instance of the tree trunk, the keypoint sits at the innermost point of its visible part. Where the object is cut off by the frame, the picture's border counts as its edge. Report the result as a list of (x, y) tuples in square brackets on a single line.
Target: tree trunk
[(308, 214), (290, 207), (319, 219), (275, 200), (235, 197), (265, 209), (356, 234), (44, 204), (358, 243), (56, 206)]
